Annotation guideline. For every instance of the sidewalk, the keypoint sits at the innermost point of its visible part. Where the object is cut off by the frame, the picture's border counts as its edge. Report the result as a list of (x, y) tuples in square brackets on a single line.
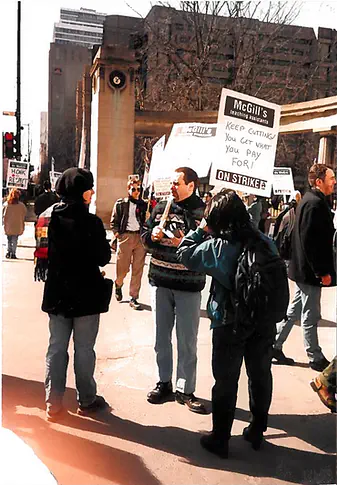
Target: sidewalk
[(140, 443)]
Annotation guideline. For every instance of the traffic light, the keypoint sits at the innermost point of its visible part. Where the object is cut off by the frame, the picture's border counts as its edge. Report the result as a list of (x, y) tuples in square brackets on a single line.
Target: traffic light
[(9, 140)]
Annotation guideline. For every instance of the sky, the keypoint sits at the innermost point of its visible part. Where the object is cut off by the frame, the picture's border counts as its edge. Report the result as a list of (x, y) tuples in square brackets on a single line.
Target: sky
[(37, 21)]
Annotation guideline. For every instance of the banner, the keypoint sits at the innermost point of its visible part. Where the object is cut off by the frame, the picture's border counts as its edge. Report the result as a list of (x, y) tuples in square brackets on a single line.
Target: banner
[(191, 145), (17, 174), (283, 183), (246, 143)]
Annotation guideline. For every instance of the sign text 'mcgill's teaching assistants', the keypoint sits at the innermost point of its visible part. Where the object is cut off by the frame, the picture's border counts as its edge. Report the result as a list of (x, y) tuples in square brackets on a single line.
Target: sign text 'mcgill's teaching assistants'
[(247, 138)]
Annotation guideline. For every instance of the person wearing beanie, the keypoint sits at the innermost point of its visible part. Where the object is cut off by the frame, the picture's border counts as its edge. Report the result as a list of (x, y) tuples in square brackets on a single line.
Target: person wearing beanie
[(75, 292)]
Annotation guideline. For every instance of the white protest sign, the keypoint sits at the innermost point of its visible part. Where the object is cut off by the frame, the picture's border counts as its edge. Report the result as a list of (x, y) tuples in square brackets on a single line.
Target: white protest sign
[(247, 138), (17, 174), (156, 166), (162, 187), (53, 176), (191, 145), (283, 183)]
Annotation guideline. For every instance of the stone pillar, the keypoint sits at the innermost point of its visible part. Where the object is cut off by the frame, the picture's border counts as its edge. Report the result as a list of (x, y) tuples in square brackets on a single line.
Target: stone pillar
[(326, 152), (112, 126)]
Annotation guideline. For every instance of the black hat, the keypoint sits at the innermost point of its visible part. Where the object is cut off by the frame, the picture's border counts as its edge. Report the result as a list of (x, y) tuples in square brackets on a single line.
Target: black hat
[(74, 182)]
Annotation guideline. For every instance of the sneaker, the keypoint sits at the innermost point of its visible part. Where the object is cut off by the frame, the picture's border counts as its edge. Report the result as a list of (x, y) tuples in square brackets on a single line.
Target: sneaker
[(191, 402), (254, 435), (99, 404), (160, 393), (214, 445), (118, 293), (134, 304), (319, 365), (327, 397), (53, 416), (281, 359)]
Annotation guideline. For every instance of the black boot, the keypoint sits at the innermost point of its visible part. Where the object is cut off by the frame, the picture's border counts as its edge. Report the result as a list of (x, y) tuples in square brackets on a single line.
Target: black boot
[(160, 393), (214, 445), (254, 435)]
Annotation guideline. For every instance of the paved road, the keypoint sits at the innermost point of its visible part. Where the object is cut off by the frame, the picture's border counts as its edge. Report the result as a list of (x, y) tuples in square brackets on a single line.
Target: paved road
[(143, 444)]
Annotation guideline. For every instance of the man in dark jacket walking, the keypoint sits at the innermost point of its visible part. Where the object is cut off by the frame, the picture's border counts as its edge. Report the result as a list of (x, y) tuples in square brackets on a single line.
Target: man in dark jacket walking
[(74, 293), (311, 265), (127, 219), (176, 291)]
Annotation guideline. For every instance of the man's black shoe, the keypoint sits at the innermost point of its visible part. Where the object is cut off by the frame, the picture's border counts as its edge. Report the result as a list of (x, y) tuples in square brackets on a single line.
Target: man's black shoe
[(191, 402), (159, 394), (118, 293), (214, 445), (134, 304), (319, 365), (253, 435), (281, 359), (8, 255), (99, 404)]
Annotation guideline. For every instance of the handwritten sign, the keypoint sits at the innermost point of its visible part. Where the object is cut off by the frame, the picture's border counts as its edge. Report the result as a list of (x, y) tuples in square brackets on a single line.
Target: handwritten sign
[(246, 143), (283, 183), (17, 174), (191, 145)]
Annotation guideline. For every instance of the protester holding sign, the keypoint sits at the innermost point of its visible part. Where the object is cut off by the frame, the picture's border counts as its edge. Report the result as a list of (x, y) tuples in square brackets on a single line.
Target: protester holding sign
[(176, 292), (14, 213)]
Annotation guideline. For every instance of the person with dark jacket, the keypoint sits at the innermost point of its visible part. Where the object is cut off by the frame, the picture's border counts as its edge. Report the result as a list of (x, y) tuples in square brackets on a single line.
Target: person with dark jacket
[(311, 265), (127, 219), (214, 248), (45, 200), (74, 292), (176, 292)]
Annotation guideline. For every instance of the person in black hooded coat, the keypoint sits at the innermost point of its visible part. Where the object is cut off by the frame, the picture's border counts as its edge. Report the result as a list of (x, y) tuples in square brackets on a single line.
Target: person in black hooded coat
[(74, 291)]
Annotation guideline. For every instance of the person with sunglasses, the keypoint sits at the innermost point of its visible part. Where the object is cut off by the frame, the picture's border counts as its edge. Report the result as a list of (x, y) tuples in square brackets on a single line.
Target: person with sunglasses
[(128, 217)]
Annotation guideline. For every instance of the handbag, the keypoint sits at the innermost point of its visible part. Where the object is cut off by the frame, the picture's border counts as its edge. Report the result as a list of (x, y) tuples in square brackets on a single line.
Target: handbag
[(105, 295)]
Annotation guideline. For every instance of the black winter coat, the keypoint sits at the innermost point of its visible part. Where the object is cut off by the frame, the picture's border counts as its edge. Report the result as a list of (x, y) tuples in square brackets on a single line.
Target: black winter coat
[(312, 255), (77, 246)]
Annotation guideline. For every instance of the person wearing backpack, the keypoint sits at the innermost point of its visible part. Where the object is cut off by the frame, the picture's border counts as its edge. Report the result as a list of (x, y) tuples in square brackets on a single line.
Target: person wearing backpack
[(249, 292), (311, 266)]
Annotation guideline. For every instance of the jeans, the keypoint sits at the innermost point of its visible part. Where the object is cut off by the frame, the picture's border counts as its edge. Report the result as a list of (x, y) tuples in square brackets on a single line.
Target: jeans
[(12, 242), (85, 331), (182, 308), (255, 346), (305, 306)]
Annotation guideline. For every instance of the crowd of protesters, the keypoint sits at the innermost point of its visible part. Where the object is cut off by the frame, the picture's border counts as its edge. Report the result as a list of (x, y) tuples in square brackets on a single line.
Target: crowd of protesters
[(187, 238)]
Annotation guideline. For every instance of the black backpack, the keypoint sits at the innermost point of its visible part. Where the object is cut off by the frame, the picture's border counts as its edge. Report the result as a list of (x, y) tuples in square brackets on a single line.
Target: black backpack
[(283, 238), (261, 290)]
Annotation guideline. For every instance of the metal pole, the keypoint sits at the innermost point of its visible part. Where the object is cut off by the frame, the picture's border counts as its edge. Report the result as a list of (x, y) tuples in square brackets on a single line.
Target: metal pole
[(18, 87)]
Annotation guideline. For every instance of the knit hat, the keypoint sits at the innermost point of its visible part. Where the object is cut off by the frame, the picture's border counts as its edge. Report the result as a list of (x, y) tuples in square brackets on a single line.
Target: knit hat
[(73, 183)]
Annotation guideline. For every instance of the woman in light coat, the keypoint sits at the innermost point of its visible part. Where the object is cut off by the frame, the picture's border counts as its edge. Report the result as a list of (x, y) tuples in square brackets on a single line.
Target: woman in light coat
[(14, 213)]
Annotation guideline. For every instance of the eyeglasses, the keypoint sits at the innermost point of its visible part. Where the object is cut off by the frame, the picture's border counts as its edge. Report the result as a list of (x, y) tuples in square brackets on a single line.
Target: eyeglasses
[(133, 189)]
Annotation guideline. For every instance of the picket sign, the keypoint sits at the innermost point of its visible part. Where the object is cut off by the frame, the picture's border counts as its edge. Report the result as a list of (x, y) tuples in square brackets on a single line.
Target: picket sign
[(17, 174), (246, 143), (283, 183), (191, 145), (53, 176)]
